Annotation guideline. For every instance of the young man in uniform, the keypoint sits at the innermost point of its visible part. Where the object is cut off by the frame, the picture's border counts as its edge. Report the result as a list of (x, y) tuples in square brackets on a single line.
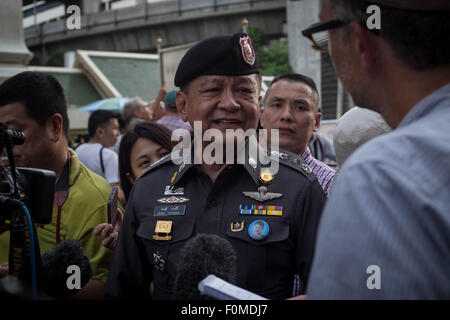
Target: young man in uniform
[(219, 87)]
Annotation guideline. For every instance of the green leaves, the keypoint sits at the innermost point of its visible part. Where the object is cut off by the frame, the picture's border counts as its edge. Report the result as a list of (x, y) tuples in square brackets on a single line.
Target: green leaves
[(272, 55)]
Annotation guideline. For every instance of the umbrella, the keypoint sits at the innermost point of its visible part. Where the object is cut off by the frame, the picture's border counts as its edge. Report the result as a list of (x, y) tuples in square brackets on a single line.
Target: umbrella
[(112, 104)]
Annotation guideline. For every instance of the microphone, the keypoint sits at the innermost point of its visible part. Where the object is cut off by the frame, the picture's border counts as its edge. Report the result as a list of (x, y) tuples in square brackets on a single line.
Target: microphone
[(222, 290), (203, 255), (56, 271)]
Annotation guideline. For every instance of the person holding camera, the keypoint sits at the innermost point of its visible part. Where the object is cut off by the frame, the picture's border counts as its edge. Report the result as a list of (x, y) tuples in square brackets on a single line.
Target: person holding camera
[(35, 104)]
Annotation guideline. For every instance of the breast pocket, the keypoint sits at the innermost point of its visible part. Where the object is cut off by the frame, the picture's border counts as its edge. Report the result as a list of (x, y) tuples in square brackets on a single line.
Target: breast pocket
[(262, 260), (164, 248)]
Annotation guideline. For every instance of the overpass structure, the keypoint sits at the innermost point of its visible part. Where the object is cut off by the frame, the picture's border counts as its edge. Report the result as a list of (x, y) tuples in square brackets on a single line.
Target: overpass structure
[(177, 22)]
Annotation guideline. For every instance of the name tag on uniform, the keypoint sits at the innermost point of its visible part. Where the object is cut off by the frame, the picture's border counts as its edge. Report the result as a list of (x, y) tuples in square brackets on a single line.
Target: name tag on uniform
[(164, 211)]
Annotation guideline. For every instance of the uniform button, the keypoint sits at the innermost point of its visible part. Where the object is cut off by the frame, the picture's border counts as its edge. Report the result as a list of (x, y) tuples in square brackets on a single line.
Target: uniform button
[(213, 203)]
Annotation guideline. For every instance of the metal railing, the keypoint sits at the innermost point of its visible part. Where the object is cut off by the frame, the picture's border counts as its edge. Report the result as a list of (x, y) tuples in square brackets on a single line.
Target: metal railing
[(158, 11)]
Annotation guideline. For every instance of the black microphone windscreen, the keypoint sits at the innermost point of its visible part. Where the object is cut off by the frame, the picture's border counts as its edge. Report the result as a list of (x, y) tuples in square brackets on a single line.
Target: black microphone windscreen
[(55, 263), (203, 255)]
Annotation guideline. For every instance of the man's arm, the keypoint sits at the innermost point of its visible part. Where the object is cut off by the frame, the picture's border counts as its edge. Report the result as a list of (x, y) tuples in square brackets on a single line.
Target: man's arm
[(155, 105)]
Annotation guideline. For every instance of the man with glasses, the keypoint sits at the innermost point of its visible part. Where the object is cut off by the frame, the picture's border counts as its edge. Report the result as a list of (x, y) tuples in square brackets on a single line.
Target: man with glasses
[(384, 232)]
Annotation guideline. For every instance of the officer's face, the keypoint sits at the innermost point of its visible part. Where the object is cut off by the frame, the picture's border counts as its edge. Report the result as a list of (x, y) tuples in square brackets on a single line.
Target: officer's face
[(221, 102), (38, 151), (291, 107)]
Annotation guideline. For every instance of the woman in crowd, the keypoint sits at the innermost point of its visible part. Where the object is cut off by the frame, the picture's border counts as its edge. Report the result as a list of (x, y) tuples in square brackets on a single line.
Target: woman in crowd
[(145, 144)]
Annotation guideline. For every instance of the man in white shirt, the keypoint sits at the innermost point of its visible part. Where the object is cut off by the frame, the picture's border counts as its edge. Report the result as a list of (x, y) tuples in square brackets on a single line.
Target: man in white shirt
[(103, 130)]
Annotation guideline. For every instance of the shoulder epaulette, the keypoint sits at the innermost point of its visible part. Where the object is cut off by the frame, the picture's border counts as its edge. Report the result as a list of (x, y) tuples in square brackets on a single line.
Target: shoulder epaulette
[(294, 161), (163, 161)]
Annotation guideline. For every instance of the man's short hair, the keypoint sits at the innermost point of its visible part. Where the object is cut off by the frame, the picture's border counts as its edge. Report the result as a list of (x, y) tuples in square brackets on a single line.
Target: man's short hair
[(129, 108), (295, 77), (99, 119), (41, 94), (418, 38)]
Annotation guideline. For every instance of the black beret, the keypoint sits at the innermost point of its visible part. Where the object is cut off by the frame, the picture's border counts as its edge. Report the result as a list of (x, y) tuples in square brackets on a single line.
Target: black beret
[(229, 55)]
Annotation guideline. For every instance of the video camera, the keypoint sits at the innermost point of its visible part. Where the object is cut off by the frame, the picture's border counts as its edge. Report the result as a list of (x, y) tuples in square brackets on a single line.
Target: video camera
[(20, 189)]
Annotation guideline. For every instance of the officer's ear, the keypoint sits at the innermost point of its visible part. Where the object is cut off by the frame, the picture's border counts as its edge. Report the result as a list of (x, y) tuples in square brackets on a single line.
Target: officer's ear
[(182, 103)]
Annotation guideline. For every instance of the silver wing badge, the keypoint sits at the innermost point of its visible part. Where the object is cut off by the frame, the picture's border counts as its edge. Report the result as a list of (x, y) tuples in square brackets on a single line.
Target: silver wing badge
[(262, 194)]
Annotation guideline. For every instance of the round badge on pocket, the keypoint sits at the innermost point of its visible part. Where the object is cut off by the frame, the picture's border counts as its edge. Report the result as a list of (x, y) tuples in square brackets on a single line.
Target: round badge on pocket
[(258, 230)]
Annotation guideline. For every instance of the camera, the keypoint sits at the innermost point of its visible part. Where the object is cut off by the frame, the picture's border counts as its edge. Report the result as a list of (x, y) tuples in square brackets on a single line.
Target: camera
[(26, 198), (34, 187)]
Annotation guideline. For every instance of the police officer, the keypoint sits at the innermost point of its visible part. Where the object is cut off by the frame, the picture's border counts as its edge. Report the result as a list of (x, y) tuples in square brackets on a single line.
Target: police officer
[(270, 217)]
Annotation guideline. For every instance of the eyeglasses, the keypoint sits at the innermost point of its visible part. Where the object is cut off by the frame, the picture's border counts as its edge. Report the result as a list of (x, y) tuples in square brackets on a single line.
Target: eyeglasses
[(318, 33)]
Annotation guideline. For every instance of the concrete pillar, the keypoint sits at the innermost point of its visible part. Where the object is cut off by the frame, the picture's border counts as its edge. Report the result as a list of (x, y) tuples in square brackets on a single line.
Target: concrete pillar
[(14, 54), (91, 6), (303, 59)]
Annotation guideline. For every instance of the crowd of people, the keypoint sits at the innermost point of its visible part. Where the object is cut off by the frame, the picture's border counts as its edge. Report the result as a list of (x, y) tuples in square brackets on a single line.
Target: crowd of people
[(303, 230)]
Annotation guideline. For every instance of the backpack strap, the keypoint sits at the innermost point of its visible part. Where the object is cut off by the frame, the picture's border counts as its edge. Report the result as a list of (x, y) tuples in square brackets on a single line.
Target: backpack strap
[(101, 160)]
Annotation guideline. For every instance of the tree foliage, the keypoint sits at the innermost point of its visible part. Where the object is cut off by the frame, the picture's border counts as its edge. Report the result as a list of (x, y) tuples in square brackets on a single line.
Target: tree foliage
[(273, 57)]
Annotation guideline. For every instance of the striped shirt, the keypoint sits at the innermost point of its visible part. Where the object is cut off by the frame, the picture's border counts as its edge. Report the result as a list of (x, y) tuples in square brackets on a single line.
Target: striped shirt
[(324, 175), (323, 172)]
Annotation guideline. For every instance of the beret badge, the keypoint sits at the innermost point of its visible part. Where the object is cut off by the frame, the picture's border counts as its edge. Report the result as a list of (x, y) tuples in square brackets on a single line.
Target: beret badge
[(248, 54)]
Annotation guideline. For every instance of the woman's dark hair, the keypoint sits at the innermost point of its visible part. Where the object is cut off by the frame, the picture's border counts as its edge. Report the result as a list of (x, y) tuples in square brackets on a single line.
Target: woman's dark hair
[(152, 131)]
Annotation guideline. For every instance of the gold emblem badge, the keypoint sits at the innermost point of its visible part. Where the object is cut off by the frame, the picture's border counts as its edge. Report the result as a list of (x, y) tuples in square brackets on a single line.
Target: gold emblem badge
[(237, 226), (163, 227), (266, 176)]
